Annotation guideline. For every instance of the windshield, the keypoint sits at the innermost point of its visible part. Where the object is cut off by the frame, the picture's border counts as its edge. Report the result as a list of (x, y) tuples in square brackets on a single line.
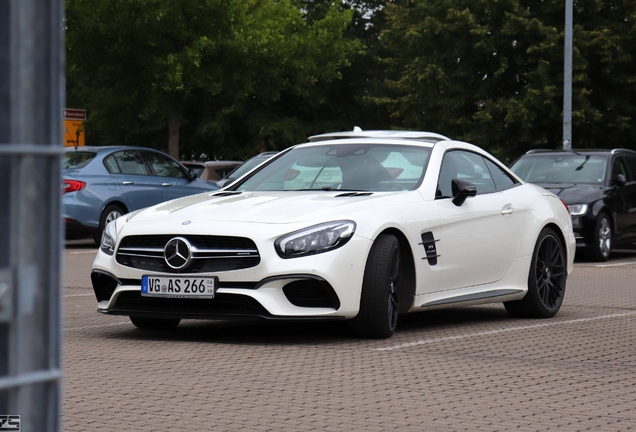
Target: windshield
[(77, 159), (561, 168), (247, 166), (350, 167)]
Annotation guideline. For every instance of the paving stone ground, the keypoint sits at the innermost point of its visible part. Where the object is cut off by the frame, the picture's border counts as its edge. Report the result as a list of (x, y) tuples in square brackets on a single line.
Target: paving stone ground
[(464, 369)]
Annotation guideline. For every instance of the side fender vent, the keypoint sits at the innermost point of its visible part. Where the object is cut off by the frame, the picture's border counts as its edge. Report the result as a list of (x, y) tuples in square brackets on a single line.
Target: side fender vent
[(428, 241)]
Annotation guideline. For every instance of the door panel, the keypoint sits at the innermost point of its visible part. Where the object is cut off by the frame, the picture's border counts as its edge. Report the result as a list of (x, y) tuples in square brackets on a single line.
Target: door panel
[(478, 241), (129, 171), (170, 177), (625, 201)]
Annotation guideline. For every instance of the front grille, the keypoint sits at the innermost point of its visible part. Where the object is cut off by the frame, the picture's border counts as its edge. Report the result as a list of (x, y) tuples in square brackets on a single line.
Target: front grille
[(209, 253)]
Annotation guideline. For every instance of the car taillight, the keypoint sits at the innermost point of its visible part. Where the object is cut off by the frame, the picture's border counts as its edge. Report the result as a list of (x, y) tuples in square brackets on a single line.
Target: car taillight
[(72, 186), (566, 206)]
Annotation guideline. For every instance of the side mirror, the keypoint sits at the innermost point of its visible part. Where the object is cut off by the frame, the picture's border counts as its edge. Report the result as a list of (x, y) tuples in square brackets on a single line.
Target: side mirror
[(462, 189), (620, 180), (192, 175)]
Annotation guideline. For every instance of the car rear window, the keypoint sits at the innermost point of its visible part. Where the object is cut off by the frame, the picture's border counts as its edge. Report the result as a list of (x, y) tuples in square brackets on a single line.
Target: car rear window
[(77, 159)]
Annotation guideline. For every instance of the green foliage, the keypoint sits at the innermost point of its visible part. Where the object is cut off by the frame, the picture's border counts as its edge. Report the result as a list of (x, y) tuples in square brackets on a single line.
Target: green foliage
[(491, 71), (244, 76), (133, 63)]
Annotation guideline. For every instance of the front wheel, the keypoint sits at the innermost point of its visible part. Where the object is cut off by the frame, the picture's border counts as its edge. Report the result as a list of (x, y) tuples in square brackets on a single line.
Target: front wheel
[(378, 313), (546, 279), (601, 240), (155, 323)]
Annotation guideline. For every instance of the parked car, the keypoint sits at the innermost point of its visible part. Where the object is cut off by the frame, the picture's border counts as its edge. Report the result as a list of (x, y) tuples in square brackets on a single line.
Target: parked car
[(599, 186), (458, 229), (102, 183), (212, 170), (245, 167)]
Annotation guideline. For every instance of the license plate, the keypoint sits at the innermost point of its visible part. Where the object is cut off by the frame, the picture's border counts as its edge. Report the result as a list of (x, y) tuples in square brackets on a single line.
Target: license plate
[(178, 287)]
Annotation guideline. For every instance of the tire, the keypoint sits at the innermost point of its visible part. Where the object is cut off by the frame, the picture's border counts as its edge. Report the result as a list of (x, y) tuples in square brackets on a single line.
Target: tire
[(546, 279), (601, 240), (379, 301), (110, 213), (155, 323)]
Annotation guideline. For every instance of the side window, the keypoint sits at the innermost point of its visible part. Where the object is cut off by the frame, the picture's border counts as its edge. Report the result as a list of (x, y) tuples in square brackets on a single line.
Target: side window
[(130, 162), (631, 162), (464, 165), (473, 168), (500, 177), (619, 167), (164, 166), (111, 165), (447, 173)]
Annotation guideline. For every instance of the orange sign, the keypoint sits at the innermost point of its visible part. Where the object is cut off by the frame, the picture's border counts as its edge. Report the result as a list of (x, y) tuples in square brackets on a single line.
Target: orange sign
[(74, 127)]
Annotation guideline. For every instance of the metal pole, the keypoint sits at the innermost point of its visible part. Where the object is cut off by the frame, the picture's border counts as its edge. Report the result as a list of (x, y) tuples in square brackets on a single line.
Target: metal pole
[(31, 100), (567, 78)]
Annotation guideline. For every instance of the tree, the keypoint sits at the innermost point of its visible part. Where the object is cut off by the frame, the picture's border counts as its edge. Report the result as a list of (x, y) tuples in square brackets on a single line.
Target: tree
[(327, 105), (142, 67), (491, 72)]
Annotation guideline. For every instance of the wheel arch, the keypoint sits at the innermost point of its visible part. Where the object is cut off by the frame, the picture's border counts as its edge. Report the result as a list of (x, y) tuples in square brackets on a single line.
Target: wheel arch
[(407, 297), (114, 202)]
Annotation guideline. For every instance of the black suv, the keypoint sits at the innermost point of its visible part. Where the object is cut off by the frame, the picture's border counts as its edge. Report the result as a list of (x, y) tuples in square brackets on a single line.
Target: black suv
[(599, 186)]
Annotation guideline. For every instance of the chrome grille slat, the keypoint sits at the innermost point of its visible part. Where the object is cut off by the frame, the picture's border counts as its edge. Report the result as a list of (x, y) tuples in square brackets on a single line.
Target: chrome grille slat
[(141, 254), (223, 256), (236, 251), (136, 249)]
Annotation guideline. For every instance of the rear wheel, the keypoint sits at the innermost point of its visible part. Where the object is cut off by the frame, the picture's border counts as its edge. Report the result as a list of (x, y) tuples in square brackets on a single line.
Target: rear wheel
[(602, 239), (378, 313), (110, 213), (546, 280), (155, 323)]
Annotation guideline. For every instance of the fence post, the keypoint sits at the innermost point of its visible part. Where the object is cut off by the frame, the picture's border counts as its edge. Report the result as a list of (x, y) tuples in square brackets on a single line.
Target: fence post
[(31, 100)]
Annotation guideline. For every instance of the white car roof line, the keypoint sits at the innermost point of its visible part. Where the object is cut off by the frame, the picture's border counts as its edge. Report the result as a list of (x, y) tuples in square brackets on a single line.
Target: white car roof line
[(413, 135)]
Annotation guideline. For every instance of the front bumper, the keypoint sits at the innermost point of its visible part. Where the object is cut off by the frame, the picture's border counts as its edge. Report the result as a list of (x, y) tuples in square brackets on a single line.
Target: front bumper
[(583, 228), (322, 286)]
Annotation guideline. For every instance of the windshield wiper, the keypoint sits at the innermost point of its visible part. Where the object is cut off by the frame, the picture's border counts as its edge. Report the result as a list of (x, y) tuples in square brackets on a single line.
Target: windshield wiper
[(580, 167), (329, 188)]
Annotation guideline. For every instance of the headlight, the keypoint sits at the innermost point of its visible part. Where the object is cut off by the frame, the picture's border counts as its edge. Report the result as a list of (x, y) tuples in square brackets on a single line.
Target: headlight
[(315, 239), (109, 238), (578, 209)]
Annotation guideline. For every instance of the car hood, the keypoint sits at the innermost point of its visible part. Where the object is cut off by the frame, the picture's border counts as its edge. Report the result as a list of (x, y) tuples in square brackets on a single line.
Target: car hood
[(268, 207), (572, 193)]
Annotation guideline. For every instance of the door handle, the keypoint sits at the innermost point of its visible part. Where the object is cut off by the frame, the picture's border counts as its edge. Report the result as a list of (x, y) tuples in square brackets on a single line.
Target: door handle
[(166, 184), (507, 209), (128, 183)]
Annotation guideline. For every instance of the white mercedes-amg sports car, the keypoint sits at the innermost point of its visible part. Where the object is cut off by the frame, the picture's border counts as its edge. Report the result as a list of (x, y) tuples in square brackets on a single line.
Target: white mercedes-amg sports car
[(357, 226)]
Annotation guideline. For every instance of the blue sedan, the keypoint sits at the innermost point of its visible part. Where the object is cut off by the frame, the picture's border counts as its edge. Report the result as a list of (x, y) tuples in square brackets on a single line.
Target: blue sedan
[(102, 183)]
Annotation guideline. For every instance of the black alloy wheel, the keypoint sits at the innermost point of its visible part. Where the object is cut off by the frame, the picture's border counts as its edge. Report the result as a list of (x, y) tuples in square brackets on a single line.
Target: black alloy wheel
[(546, 279), (379, 300)]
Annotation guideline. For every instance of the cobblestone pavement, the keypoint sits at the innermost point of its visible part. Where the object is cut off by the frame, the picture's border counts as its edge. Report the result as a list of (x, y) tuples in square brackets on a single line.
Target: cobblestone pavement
[(464, 369)]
